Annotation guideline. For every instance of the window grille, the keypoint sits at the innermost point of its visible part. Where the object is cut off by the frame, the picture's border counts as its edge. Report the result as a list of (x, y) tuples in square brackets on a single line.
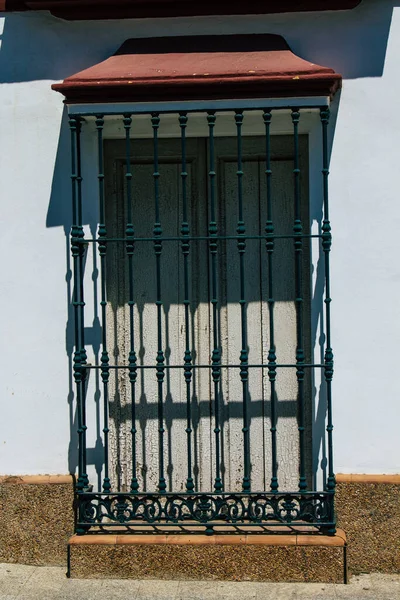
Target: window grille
[(190, 506)]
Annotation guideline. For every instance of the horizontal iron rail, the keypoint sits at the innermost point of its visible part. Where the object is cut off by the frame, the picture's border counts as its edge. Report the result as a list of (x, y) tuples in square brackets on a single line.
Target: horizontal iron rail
[(253, 493), (199, 238), (250, 366), (216, 525), (188, 110)]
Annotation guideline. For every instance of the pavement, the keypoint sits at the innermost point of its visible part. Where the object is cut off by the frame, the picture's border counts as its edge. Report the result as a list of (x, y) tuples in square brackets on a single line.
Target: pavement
[(50, 583)]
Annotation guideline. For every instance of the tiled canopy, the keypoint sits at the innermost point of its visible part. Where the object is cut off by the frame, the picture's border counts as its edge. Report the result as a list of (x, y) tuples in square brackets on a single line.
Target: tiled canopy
[(200, 67)]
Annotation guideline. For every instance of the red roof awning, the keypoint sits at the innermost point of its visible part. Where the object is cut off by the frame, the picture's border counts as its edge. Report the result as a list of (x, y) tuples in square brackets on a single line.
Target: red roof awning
[(118, 9), (200, 67)]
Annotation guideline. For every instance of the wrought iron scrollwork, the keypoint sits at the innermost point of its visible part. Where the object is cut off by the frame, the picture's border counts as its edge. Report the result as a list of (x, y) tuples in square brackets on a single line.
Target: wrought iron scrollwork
[(204, 509)]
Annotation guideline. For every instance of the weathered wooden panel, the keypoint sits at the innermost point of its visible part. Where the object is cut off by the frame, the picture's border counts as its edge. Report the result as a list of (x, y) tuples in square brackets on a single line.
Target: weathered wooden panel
[(201, 322)]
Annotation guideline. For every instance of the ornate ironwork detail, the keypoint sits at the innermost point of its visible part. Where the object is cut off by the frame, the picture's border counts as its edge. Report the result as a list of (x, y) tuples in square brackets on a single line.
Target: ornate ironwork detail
[(294, 509)]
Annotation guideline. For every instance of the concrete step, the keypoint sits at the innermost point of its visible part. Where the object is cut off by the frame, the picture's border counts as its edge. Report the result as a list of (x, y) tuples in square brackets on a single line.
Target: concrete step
[(295, 557)]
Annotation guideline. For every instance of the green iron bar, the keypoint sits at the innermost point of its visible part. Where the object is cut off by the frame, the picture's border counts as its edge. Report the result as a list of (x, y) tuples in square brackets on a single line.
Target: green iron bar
[(269, 232), (81, 260), (298, 250), (244, 355), (76, 237), (142, 527), (185, 245), (326, 246), (160, 361), (213, 247), (97, 397), (130, 248), (105, 359)]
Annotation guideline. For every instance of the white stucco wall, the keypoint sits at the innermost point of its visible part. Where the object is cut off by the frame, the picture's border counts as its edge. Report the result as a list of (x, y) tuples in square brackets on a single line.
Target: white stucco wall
[(36, 50)]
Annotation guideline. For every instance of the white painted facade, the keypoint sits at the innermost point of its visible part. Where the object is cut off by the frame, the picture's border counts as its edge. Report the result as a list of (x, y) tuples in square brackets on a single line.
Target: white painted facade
[(37, 50)]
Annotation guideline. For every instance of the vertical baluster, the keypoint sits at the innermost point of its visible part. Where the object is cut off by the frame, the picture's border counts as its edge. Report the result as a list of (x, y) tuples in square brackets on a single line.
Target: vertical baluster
[(326, 246), (81, 260), (160, 368), (298, 250), (102, 244), (244, 356), (216, 353), (130, 248), (76, 236), (185, 231), (269, 233)]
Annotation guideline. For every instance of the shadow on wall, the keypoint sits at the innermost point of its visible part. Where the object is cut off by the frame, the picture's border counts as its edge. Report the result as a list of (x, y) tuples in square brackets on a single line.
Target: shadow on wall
[(353, 43)]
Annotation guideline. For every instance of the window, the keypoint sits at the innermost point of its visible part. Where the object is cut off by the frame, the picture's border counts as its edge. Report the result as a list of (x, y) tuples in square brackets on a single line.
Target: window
[(207, 375)]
